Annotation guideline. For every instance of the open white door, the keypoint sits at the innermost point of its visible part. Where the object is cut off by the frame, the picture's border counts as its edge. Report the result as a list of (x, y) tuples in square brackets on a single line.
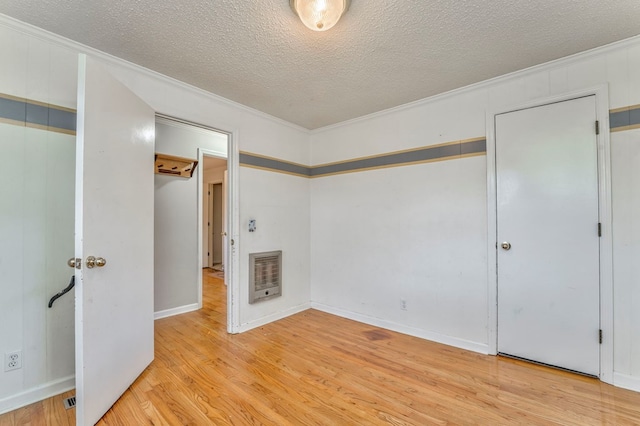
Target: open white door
[(114, 221)]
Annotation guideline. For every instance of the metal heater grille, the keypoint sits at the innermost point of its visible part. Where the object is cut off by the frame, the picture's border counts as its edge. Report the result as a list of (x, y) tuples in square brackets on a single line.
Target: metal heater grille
[(70, 402), (265, 275)]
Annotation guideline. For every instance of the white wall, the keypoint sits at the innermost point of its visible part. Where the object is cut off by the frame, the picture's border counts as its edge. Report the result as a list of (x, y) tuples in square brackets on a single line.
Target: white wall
[(177, 271), (625, 159), (36, 224), (416, 233), (260, 134), (419, 232), (280, 205), (42, 66)]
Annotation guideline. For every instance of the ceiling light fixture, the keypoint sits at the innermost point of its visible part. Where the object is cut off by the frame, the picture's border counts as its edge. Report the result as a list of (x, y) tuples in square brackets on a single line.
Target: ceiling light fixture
[(320, 15)]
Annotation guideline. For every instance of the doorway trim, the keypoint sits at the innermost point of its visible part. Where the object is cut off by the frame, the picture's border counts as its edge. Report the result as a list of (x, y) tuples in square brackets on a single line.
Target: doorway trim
[(233, 220), (210, 263), (203, 152), (233, 217), (601, 93)]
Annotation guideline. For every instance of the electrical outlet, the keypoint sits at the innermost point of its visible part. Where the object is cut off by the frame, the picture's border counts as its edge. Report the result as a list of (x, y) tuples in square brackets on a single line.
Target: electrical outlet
[(403, 304), (12, 360)]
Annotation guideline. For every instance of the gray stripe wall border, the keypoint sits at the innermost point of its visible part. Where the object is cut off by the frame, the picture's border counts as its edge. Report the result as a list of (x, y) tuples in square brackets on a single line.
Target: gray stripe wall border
[(620, 119), (25, 112), (273, 164), (426, 154), (447, 151), (625, 118), (30, 113)]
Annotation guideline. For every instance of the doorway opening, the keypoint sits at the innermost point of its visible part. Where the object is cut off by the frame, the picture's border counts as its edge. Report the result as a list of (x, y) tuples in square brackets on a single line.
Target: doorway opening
[(203, 203), (214, 196), (216, 219)]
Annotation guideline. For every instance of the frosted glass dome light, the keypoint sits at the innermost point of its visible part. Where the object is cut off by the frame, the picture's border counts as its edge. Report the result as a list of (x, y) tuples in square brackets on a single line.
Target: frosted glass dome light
[(320, 15)]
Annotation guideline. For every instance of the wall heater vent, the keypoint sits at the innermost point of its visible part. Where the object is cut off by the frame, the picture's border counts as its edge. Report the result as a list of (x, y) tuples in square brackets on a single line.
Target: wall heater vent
[(70, 402), (265, 275)]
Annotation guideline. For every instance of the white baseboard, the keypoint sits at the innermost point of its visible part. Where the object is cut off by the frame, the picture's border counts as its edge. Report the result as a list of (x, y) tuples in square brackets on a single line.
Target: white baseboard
[(176, 311), (37, 393), (273, 317), (627, 382), (411, 331)]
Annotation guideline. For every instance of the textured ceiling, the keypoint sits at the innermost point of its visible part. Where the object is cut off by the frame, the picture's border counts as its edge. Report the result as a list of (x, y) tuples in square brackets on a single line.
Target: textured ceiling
[(383, 53)]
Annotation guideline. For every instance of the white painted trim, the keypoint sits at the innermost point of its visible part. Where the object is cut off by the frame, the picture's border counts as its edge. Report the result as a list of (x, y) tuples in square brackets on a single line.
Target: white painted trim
[(176, 311), (606, 241), (273, 317), (492, 82), (200, 176), (45, 35), (200, 201), (38, 393), (601, 93), (185, 124), (192, 127), (627, 382), (400, 328), (492, 240), (209, 188), (233, 233)]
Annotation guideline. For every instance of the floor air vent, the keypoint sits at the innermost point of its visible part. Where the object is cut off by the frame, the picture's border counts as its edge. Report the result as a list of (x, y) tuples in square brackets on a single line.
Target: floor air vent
[(70, 402), (265, 275)]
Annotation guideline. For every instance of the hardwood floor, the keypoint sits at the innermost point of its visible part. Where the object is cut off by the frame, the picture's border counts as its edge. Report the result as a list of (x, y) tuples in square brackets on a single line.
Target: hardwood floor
[(317, 369)]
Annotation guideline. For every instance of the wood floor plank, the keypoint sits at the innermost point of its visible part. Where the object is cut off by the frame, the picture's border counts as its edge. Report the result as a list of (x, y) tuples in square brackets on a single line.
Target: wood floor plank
[(318, 369)]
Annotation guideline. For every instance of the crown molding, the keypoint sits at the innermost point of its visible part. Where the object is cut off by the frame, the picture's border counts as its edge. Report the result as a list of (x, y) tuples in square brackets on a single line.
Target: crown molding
[(42, 34), (547, 66)]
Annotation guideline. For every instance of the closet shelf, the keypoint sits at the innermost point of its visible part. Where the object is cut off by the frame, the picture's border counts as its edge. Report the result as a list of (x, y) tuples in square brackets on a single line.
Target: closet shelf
[(175, 166)]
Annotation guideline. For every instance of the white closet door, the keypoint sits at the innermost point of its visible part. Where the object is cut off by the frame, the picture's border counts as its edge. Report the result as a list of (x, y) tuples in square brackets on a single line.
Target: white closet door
[(547, 195)]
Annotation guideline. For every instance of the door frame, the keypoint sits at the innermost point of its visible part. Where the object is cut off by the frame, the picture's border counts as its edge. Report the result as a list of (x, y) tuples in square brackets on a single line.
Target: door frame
[(232, 275), (202, 152), (601, 93), (210, 219), (233, 219)]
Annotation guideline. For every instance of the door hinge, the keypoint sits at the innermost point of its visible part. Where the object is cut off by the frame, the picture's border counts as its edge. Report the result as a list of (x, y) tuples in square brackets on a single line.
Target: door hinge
[(597, 127), (600, 336), (599, 229)]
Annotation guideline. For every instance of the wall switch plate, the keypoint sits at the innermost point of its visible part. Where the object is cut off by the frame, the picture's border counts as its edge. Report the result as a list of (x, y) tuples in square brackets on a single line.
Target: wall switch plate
[(252, 225), (12, 360)]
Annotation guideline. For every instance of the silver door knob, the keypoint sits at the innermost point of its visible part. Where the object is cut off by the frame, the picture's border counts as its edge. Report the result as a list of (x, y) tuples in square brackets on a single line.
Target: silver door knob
[(92, 262), (506, 245)]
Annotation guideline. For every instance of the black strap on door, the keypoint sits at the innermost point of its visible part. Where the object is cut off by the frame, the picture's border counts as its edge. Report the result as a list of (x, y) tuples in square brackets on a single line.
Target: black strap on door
[(63, 292)]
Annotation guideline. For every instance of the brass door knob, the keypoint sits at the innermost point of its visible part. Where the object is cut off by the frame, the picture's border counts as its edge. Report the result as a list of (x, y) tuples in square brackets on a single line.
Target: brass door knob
[(93, 261), (74, 262)]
